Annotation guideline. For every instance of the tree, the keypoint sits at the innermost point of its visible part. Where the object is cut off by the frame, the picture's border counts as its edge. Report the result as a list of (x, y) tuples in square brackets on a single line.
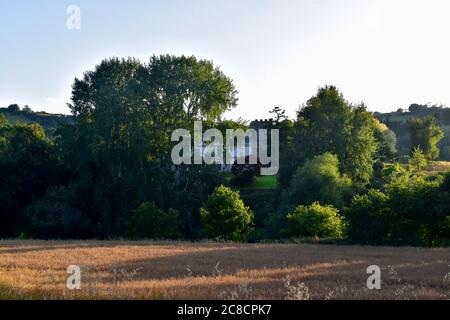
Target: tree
[(225, 215), (193, 88), (29, 165), (280, 114), (361, 147), (417, 108), (13, 108), (124, 113), (148, 221), (319, 179), (426, 134), (387, 142), (417, 160), (328, 123), (27, 109), (315, 221)]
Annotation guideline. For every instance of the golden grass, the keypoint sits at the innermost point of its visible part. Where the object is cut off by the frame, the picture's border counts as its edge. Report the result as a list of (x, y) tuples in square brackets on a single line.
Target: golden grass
[(438, 166), (178, 270)]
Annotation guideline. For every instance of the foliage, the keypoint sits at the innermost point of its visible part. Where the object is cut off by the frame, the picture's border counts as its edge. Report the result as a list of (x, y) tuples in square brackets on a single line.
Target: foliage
[(260, 201), (412, 212), (225, 215), (418, 159), (13, 108), (124, 114), (244, 174), (387, 142), (367, 218), (107, 171), (29, 165), (280, 114), (319, 179), (328, 123), (148, 221), (426, 134), (315, 221), (395, 173), (57, 221)]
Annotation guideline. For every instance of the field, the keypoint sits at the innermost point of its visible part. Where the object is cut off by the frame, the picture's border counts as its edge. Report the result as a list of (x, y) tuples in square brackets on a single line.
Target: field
[(263, 182), (203, 270)]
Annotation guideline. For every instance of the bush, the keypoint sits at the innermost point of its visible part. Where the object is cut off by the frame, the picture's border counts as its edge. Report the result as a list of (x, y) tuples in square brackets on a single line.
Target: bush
[(225, 215), (367, 218), (419, 210), (394, 173), (319, 180), (413, 212), (315, 221), (148, 221), (244, 174), (50, 219)]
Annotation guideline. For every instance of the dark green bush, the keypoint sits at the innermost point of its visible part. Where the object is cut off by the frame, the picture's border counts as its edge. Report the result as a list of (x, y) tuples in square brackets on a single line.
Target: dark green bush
[(148, 221), (49, 219), (368, 217), (414, 212)]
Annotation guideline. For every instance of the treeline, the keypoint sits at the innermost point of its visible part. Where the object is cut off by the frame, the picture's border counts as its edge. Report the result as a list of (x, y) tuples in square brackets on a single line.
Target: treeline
[(109, 173), (401, 120), (340, 177)]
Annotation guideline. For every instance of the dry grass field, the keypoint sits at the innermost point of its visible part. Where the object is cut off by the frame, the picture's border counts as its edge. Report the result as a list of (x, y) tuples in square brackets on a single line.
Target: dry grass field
[(178, 270)]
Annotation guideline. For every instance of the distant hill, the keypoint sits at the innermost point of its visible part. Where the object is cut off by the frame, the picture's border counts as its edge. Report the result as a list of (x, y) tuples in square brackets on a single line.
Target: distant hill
[(399, 123), (47, 120)]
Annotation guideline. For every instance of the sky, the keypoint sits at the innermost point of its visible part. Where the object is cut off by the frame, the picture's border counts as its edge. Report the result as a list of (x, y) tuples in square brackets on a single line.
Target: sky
[(385, 53)]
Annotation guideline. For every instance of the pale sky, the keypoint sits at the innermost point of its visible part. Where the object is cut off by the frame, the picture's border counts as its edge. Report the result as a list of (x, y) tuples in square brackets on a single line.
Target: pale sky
[(386, 53)]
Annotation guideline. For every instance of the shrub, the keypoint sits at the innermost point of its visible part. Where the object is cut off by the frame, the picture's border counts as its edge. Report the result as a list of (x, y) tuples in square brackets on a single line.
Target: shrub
[(48, 219), (413, 212), (244, 173), (319, 180), (315, 221), (394, 173), (418, 160), (148, 221), (419, 210), (367, 218), (225, 215)]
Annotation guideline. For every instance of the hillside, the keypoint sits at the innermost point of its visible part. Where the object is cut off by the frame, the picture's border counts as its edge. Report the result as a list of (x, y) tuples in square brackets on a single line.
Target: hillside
[(399, 123), (47, 120)]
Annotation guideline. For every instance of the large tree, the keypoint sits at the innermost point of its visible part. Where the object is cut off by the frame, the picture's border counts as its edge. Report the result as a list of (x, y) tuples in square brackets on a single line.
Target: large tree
[(328, 123), (125, 112)]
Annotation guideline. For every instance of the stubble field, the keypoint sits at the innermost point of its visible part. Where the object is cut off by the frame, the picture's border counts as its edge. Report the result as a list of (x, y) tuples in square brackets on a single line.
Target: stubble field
[(203, 270)]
